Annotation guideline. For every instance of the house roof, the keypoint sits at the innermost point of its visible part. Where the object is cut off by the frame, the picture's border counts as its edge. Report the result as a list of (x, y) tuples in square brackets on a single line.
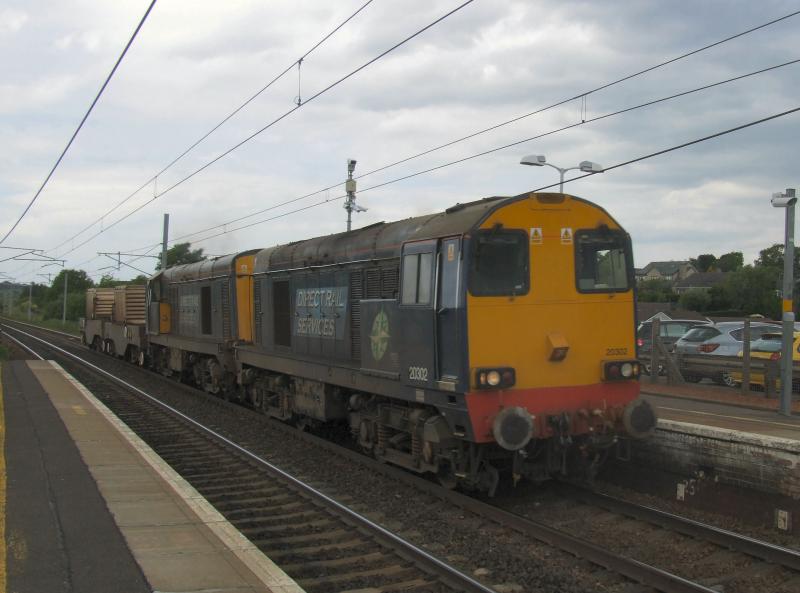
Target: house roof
[(702, 280), (665, 268), (645, 311)]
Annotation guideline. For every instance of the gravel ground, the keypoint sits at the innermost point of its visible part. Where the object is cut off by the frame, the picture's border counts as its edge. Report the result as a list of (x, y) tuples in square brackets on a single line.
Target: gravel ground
[(725, 521), (696, 560)]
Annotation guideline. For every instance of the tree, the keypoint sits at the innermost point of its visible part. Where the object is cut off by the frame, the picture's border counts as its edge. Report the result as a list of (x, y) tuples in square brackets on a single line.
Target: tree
[(141, 279), (752, 290), (772, 257), (695, 300), (704, 263), (78, 281), (182, 253), (108, 281), (655, 291), (76, 307), (730, 262)]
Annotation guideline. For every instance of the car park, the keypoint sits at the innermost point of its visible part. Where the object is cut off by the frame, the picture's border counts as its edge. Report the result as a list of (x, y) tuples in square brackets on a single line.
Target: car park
[(671, 330), (768, 347), (725, 338)]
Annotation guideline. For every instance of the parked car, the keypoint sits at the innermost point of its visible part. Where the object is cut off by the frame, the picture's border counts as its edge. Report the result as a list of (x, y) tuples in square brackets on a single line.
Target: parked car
[(769, 347), (719, 339), (671, 330)]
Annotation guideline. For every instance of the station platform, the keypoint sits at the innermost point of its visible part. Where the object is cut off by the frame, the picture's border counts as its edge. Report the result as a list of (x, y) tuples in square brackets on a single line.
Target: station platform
[(719, 434), (722, 407), (88, 507)]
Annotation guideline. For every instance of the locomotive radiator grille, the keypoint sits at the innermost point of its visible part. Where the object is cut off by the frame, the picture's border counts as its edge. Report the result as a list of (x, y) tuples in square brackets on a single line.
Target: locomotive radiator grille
[(226, 310), (357, 293), (257, 310)]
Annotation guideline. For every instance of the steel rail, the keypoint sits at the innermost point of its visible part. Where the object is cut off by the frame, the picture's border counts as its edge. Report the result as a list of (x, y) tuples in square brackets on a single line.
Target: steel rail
[(448, 574), (738, 542), (20, 344), (47, 329)]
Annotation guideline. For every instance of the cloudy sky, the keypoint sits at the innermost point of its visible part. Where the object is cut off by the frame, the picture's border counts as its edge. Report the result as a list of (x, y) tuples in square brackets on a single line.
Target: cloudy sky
[(195, 61)]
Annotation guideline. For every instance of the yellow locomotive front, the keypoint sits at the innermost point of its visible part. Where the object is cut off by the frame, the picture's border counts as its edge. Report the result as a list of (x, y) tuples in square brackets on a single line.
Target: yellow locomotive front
[(551, 332)]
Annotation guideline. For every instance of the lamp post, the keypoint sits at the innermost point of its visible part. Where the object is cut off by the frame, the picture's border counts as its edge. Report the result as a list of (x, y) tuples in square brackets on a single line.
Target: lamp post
[(787, 200), (539, 160)]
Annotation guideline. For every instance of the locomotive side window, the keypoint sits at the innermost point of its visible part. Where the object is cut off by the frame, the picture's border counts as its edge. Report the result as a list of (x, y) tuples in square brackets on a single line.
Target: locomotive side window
[(602, 261), (282, 313), (417, 279), (499, 263), (205, 309)]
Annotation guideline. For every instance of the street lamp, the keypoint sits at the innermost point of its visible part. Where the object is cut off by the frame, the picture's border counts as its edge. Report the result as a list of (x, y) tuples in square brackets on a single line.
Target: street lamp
[(539, 160), (787, 200)]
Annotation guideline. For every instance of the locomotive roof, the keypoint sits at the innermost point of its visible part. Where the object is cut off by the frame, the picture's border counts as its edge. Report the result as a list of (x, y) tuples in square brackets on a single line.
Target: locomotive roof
[(374, 242), (202, 270), (378, 241)]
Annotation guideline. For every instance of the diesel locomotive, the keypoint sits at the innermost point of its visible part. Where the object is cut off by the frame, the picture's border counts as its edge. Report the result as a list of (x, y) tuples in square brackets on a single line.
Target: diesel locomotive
[(494, 338)]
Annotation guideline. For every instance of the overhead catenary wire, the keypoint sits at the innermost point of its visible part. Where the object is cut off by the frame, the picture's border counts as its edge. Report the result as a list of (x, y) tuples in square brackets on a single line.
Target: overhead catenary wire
[(526, 115), (274, 122), (552, 185), (80, 125), (213, 129), (489, 151), (508, 122)]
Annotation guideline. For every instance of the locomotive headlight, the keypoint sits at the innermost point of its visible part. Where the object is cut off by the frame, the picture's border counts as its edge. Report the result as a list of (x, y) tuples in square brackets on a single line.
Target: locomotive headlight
[(626, 370), (620, 370), (497, 378)]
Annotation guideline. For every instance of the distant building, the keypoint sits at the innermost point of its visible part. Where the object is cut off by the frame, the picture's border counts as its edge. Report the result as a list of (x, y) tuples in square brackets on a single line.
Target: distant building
[(700, 281), (671, 271)]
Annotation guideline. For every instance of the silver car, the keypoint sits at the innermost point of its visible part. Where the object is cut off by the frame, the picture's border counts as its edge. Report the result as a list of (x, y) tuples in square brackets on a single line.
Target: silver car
[(719, 339)]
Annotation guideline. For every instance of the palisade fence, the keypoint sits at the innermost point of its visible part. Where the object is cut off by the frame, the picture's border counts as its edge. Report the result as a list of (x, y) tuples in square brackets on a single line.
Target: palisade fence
[(679, 367)]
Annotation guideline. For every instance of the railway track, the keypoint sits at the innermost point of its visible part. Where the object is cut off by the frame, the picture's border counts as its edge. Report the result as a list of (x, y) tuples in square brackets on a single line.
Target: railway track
[(322, 544), (649, 576)]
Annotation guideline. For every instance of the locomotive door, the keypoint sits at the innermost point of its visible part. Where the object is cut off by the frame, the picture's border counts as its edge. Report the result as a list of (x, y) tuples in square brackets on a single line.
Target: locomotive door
[(448, 342), (417, 315)]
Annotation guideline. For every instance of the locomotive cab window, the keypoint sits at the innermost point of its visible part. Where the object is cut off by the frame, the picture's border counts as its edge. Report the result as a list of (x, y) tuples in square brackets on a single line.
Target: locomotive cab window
[(499, 263), (417, 279), (602, 261)]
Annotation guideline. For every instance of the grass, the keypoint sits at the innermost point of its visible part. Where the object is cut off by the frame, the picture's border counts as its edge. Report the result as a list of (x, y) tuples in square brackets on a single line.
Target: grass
[(3, 353), (70, 327)]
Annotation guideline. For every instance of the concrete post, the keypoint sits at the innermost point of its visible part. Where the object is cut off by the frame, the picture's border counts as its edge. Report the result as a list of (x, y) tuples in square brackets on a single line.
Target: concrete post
[(164, 242), (655, 336), (787, 357), (746, 358), (64, 311)]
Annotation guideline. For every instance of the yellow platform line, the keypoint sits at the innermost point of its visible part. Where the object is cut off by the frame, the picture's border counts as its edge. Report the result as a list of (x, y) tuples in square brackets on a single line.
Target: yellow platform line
[(2, 490)]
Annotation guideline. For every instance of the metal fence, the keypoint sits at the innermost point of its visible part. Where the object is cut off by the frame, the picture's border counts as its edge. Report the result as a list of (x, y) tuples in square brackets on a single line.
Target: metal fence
[(750, 373)]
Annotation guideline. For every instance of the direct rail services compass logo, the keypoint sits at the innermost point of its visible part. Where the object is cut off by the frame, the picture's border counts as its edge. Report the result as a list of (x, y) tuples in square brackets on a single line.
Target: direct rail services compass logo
[(379, 338)]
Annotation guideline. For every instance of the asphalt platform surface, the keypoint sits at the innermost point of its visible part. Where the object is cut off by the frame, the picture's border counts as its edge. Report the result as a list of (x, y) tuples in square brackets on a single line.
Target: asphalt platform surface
[(60, 536)]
